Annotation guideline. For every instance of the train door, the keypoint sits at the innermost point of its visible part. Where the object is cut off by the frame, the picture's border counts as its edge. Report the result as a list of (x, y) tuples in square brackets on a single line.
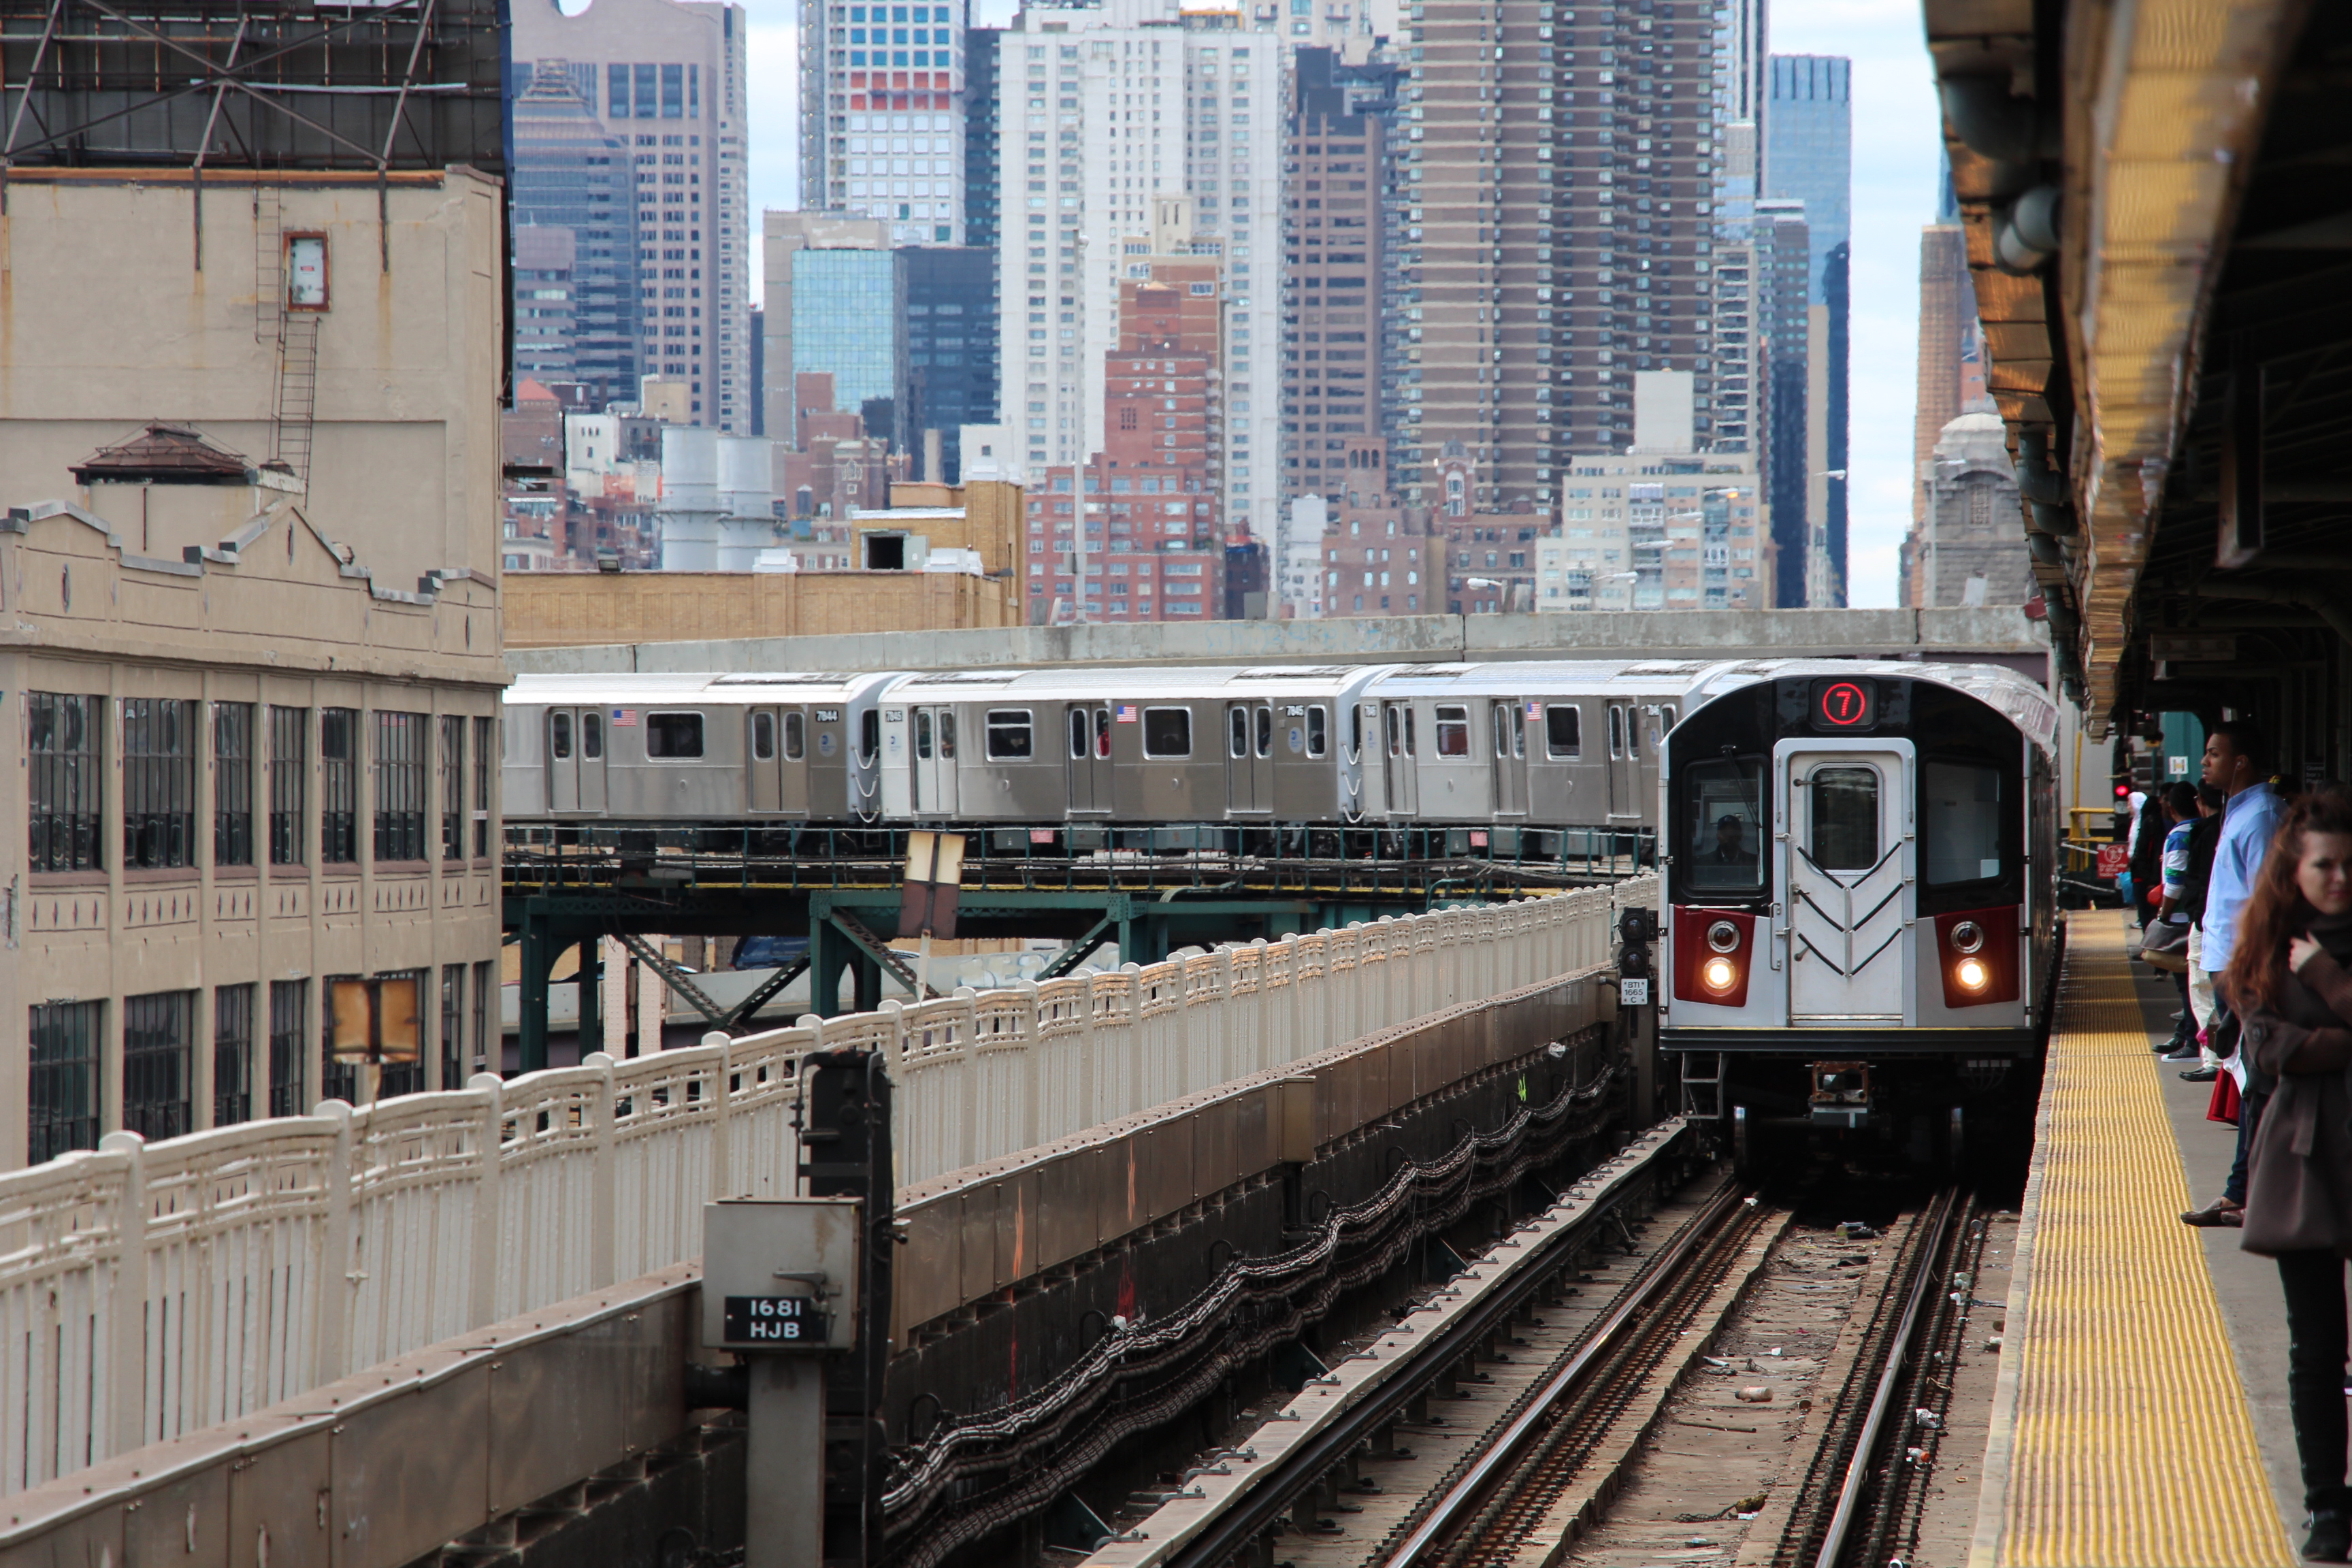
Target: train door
[(1089, 728), (935, 759), (767, 792), (1845, 878), (1249, 759), (1509, 733), (1397, 741), (793, 775), (575, 759)]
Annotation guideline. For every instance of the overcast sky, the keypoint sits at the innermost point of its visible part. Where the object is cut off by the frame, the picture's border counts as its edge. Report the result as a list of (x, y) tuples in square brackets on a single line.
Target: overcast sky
[(1895, 154)]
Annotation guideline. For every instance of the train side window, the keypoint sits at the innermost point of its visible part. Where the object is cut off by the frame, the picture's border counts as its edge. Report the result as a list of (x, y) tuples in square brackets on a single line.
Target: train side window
[(947, 735), (1454, 732), (1616, 730), (1724, 828), (1266, 731), (1102, 732), (763, 737), (869, 735), (678, 735), (1319, 737), (1563, 730), (559, 735), (1632, 732), (1079, 743), (1237, 731), (592, 733), (795, 736), (1355, 732), (1842, 835), (1518, 731), (1008, 734), (1395, 726), (1501, 714), (1167, 732), (1408, 730), (923, 732), (1960, 811), (1666, 720)]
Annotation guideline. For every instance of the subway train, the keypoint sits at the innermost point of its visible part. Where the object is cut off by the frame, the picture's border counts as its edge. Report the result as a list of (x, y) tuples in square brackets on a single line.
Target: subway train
[(1553, 744), (1860, 915)]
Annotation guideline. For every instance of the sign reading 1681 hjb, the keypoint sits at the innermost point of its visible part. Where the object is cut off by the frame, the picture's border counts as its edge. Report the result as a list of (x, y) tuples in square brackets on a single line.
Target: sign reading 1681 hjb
[(774, 1320)]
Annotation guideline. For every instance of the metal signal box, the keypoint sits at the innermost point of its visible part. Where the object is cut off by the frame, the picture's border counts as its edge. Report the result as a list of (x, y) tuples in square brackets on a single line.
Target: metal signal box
[(781, 1274)]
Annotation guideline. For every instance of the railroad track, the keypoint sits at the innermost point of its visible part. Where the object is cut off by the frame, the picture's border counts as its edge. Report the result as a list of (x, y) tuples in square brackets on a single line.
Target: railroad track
[(1547, 1457)]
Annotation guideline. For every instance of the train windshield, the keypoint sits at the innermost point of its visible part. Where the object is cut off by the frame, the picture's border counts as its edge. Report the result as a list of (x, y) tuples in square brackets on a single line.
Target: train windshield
[(1961, 807), (1723, 807)]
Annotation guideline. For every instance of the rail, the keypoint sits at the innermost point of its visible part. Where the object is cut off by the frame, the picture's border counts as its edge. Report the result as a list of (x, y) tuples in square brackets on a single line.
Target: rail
[(153, 1290)]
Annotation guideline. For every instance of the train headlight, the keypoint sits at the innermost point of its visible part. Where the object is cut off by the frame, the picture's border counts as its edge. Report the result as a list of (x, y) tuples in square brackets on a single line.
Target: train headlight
[(1718, 974), (1972, 973), (1967, 937), (1723, 936)]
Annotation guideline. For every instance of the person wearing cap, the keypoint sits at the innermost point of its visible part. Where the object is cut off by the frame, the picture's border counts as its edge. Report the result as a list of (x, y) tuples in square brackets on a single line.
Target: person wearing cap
[(1731, 847)]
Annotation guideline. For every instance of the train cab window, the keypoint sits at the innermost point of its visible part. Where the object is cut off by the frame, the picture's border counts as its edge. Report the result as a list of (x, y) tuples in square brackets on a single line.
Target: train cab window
[(1081, 741), (1723, 826), (1237, 731), (559, 735), (1842, 832), (1563, 731), (678, 735), (763, 737), (869, 735), (1008, 734), (592, 733), (795, 736), (1454, 732), (1960, 811), (1168, 731), (1266, 731), (1318, 734), (923, 732), (1102, 732)]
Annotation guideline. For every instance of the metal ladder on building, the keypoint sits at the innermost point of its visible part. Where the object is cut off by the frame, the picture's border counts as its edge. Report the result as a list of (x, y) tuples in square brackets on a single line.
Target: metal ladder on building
[(293, 334), (1702, 1095)]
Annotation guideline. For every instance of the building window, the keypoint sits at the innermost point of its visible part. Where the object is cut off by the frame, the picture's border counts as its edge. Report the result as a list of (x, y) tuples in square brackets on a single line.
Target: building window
[(339, 809), (158, 1034), (484, 733), (232, 1054), (61, 1096), (289, 1046), (159, 783), (484, 991), (232, 784), (453, 787), (453, 1024), (289, 773), (61, 746)]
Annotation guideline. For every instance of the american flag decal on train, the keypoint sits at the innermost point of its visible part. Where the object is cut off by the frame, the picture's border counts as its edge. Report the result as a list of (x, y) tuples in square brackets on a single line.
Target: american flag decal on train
[(1127, 713), (624, 718)]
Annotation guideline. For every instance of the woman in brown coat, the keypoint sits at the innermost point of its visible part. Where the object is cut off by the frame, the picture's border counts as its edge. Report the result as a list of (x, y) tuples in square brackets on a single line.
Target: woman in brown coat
[(2292, 969)]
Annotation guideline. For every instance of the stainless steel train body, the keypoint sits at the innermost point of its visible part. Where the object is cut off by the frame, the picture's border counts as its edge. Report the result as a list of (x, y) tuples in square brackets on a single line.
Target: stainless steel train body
[(694, 748), (1544, 743), (1860, 913)]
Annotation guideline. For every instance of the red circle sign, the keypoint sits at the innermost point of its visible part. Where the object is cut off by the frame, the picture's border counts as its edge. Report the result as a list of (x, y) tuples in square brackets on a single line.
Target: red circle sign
[(1845, 705)]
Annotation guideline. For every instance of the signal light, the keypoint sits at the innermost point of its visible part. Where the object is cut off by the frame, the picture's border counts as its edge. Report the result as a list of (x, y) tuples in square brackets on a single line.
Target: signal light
[(1718, 974), (1723, 936), (1972, 973)]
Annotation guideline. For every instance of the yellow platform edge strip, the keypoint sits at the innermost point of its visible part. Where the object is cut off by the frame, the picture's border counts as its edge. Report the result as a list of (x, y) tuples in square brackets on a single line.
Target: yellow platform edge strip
[(2132, 1444)]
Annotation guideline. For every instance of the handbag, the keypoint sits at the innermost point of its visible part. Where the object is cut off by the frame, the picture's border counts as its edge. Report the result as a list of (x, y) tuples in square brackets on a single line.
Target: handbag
[(2164, 946)]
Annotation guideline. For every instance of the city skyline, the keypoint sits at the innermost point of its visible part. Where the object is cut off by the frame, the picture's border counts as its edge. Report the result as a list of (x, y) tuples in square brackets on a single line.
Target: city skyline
[(1898, 151)]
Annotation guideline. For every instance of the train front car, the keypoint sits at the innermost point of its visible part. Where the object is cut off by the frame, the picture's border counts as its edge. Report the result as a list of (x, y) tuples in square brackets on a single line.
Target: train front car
[(1859, 914)]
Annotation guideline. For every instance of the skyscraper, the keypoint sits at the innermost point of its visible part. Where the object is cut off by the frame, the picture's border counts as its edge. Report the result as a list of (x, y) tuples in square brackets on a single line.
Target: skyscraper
[(1558, 239), (951, 346), (575, 240), (882, 115), (1127, 146), (1783, 251), (1809, 157), (663, 79)]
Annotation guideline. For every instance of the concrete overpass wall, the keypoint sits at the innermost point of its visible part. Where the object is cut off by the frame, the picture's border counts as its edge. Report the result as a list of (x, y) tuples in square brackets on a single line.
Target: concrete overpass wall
[(2001, 636)]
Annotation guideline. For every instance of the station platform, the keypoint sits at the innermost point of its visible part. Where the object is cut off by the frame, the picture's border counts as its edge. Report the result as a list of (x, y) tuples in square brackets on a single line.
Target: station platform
[(2140, 1416)]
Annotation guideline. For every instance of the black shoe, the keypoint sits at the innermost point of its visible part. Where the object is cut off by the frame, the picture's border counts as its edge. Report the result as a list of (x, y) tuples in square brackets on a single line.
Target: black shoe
[(2330, 1539), (2201, 1075), (2220, 1211)]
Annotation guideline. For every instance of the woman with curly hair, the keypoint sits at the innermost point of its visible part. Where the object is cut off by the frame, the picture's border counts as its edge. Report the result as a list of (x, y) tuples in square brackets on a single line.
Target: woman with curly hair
[(2292, 978)]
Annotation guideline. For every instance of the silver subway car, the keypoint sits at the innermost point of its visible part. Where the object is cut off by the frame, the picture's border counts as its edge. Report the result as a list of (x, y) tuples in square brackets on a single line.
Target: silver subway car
[(694, 748)]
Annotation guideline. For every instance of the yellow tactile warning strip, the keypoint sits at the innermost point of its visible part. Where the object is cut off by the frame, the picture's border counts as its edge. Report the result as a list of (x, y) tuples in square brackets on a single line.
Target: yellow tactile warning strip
[(2132, 1442)]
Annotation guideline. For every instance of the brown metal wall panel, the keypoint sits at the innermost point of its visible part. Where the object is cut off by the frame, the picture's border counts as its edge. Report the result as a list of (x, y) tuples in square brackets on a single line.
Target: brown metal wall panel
[(928, 1279), (1069, 1201), (98, 1539), (404, 1467), (566, 1407), (178, 1522), (1255, 1148), (1298, 1129), (976, 1246), (1216, 1147), (1016, 1227), (1163, 1169)]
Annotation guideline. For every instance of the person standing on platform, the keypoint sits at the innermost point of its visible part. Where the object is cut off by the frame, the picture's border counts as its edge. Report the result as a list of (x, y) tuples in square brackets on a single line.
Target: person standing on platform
[(2189, 903), (2165, 940), (2237, 763), (2146, 852), (2292, 980)]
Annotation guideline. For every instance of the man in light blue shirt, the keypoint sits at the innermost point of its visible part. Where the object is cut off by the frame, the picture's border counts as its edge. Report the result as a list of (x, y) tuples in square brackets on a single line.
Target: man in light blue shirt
[(2237, 763)]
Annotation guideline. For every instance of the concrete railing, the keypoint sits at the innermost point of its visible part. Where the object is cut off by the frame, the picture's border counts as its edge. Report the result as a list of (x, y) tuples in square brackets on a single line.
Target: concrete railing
[(149, 1291)]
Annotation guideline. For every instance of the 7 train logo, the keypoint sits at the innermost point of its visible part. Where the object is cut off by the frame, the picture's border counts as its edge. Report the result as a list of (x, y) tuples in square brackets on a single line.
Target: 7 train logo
[(1845, 705)]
